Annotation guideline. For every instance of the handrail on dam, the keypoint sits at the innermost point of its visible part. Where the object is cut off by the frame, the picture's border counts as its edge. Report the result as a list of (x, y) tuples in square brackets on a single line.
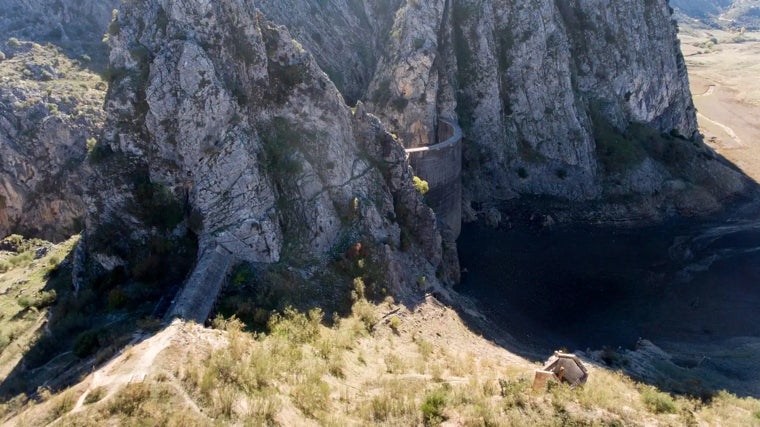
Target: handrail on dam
[(440, 165), (452, 140)]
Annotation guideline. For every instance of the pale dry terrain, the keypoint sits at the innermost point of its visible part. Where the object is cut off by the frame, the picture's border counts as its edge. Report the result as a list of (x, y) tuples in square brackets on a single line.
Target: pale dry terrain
[(724, 70), (385, 365)]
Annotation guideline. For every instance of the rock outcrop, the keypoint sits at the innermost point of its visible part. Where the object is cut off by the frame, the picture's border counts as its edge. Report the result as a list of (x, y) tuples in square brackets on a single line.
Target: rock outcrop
[(228, 123), (549, 94), (222, 126), (77, 26), (50, 110)]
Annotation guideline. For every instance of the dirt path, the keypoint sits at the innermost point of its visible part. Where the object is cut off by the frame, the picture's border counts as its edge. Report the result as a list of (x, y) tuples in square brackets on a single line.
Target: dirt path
[(125, 369), (730, 132), (710, 90), (727, 97)]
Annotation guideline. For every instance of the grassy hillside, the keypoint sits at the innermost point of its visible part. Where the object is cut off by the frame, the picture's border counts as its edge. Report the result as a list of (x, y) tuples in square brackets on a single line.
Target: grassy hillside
[(384, 364)]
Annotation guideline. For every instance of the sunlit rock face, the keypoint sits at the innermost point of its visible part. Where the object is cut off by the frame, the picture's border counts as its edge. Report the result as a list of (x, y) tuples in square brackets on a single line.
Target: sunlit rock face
[(56, 20), (50, 106), (222, 126), (543, 90)]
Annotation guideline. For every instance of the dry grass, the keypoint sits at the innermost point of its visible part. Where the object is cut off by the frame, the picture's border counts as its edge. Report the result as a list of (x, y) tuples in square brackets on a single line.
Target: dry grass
[(302, 372), (23, 300), (354, 373)]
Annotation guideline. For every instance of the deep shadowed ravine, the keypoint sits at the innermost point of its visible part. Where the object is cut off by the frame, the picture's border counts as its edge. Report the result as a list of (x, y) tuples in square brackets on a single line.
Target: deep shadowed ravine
[(683, 283)]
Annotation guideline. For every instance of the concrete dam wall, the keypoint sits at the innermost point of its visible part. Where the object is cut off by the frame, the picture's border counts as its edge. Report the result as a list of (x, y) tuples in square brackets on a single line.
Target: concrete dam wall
[(440, 165), (196, 299)]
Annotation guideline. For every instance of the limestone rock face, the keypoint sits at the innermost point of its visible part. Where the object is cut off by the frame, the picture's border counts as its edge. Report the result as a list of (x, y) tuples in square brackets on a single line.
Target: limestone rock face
[(51, 105), (346, 37), (546, 91), (223, 126), (228, 121), (49, 108), (56, 20)]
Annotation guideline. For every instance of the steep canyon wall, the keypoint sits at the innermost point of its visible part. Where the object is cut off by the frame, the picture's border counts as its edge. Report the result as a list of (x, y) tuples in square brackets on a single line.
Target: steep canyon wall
[(229, 122)]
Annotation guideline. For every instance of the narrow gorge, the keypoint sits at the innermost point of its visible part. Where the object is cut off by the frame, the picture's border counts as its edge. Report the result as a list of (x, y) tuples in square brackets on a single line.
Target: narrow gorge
[(536, 165)]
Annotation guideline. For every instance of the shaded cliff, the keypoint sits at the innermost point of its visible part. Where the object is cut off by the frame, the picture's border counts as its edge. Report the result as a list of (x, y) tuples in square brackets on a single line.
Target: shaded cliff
[(76, 26)]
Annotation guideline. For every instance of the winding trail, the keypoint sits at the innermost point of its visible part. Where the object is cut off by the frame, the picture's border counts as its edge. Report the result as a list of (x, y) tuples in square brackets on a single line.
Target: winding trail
[(126, 369), (711, 91), (730, 132)]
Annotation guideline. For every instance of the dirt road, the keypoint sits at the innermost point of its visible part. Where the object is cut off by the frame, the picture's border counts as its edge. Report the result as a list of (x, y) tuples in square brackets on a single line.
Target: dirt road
[(726, 92)]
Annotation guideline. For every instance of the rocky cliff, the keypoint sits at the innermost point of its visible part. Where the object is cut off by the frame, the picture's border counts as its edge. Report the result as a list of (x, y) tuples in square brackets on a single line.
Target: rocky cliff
[(223, 128), (228, 123), (581, 100), (51, 109)]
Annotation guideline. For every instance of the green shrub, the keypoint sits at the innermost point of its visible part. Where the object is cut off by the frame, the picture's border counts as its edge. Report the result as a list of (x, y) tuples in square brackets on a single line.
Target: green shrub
[(113, 27), (395, 323), (312, 397), (421, 185), (158, 205), (297, 327), (658, 402), (86, 344), (22, 259), (13, 43), (432, 407), (365, 312), (38, 300), (5, 266), (95, 395), (617, 151), (91, 143)]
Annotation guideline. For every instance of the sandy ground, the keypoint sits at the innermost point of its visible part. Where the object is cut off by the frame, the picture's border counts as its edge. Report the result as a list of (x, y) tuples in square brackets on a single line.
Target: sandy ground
[(725, 81)]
